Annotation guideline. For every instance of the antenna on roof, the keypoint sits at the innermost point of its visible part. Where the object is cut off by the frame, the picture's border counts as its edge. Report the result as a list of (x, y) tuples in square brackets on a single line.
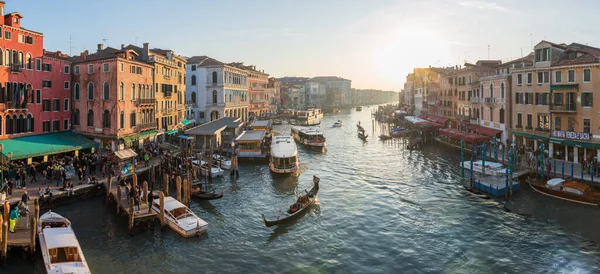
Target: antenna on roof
[(70, 44), (136, 39), (488, 52), (104, 40)]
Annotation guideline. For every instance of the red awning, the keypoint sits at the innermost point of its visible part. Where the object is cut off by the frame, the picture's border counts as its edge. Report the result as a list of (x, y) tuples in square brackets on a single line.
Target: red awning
[(487, 131), (444, 131), (423, 116), (441, 120), (472, 127), (475, 138), (432, 118), (437, 125)]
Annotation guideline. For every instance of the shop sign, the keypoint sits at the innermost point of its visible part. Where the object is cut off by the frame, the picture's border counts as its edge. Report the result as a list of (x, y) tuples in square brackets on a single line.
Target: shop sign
[(571, 135)]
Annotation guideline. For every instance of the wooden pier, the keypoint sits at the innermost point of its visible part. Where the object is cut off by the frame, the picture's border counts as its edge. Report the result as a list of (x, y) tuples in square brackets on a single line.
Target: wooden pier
[(126, 207), (25, 230)]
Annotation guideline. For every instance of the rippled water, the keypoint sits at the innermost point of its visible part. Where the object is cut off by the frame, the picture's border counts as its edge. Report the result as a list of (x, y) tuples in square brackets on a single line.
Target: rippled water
[(382, 210)]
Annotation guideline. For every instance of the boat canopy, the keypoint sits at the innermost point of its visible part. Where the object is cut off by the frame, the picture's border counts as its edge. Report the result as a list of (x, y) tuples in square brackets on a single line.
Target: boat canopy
[(283, 146), (170, 203), (414, 120), (251, 136), (308, 130), (60, 237), (576, 188), (125, 154), (555, 182)]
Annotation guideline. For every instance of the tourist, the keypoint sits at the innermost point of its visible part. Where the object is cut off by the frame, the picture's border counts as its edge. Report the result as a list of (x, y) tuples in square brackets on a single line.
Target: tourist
[(146, 159), (23, 178), (150, 198), (71, 189), (33, 174), (14, 215), (44, 174), (24, 198), (136, 201), (10, 187)]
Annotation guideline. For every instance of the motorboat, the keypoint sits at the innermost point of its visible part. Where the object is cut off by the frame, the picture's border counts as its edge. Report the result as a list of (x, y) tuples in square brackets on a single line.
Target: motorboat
[(309, 117), (180, 218), (491, 168), (199, 191), (223, 161), (338, 124), (359, 108), (59, 246), (214, 170), (284, 155), (573, 191), (309, 136), (277, 122)]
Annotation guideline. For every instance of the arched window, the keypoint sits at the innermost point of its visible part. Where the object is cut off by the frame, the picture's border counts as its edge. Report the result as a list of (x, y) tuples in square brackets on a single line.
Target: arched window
[(2, 63), (501, 116), (193, 97), (29, 94), (492, 90), (106, 93), (122, 92), (122, 120), (29, 123), (106, 119), (9, 58), (90, 91), (8, 126), (90, 118), (140, 91), (133, 92), (502, 90), (76, 117), (214, 76), (21, 63), (193, 80), (29, 61), (215, 97), (491, 114), (76, 91)]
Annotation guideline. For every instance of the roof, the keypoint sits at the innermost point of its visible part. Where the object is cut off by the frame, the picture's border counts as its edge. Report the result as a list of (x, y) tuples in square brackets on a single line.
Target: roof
[(60, 237), (213, 127), (328, 78), (251, 135), (204, 61), (171, 203), (283, 146), (578, 54), (554, 182), (106, 53), (261, 123), (45, 144), (125, 154), (562, 46), (308, 130), (57, 55)]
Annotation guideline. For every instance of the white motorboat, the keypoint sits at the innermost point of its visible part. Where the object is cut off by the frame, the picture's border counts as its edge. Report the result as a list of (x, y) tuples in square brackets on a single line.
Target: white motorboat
[(338, 124), (284, 155), (309, 117), (309, 136), (59, 246), (223, 161), (214, 170), (491, 168), (180, 218)]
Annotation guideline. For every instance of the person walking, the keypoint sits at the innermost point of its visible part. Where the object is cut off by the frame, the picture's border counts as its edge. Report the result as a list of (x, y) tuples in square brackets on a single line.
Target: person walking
[(136, 201), (23, 178), (25, 198), (33, 174), (14, 215), (150, 199)]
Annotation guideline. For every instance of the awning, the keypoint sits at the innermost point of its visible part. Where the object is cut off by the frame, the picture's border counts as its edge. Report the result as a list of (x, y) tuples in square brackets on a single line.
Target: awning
[(125, 154), (475, 138), (186, 122), (556, 141), (423, 116), (581, 144), (563, 87), (487, 131), (437, 125), (148, 134), (171, 132), (442, 120), (531, 136), (45, 144)]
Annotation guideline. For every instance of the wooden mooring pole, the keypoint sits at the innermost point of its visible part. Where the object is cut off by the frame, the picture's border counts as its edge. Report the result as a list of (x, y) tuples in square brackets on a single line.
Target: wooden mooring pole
[(118, 199), (131, 215), (178, 188), (145, 186), (166, 184), (161, 198), (109, 188), (4, 247)]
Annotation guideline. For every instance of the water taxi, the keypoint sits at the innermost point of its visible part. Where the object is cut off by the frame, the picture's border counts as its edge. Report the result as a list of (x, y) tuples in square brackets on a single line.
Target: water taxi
[(309, 117), (566, 190), (264, 125), (59, 246), (309, 136), (180, 218), (222, 161), (215, 171), (277, 121), (284, 155), (251, 144), (338, 124)]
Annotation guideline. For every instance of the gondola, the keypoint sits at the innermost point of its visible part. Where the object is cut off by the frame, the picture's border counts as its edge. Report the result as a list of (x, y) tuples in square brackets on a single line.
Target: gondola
[(384, 137), (310, 199), (362, 136), (198, 193)]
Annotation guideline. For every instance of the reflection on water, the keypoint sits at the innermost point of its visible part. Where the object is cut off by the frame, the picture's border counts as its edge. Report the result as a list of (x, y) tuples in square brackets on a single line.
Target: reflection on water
[(383, 209)]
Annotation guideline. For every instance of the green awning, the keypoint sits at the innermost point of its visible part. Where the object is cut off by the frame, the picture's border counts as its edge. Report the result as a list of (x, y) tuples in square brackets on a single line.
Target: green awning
[(557, 141), (531, 136), (147, 134), (171, 132), (130, 138), (186, 122), (45, 144), (563, 87), (581, 144)]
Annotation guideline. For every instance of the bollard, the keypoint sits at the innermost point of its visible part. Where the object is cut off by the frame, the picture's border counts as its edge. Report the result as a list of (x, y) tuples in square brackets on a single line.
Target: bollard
[(178, 188), (161, 199), (166, 184), (145, 187), (4, 250), (108, 188), (135, 181)]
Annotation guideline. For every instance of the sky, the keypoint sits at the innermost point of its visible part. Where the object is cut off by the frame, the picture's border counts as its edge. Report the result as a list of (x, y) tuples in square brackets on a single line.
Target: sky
[(374, 43)]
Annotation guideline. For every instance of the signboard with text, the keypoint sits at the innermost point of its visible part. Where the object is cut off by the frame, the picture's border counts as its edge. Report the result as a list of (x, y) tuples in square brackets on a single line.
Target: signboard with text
[(571, 135)]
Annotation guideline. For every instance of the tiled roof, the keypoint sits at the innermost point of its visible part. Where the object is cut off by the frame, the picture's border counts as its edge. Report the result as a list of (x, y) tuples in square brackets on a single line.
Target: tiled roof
[(57, 55), (106, 53), (215, 126), (204, 61), (584, 55)]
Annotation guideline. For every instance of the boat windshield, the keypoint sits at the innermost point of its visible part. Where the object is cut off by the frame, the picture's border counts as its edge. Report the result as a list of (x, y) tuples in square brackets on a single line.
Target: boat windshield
[(285, 163), (64, 255), (180, 213)]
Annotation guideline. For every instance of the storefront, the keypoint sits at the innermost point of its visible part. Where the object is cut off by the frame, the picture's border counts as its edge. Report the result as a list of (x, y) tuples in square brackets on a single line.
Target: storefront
[(531, 142), (573, 146)]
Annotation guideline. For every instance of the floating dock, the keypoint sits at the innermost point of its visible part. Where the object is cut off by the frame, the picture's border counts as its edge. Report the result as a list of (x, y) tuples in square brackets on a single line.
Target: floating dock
[(25, 230)]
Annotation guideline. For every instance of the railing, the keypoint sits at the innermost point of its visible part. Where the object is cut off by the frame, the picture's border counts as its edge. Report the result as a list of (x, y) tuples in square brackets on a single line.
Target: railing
[(431, 102), (147, 126), (474, 121), (168, 77), (16, 106), (167, 94), (464, 118), (146, 101), (212, 84), (564, 108), (475, 100), (490, 100), (167, 111), (163, 60), (179, 106), (16, 68)]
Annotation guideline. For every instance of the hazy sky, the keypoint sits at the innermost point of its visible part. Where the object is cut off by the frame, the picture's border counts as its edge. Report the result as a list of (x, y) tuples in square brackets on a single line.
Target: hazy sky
[(375, 43)]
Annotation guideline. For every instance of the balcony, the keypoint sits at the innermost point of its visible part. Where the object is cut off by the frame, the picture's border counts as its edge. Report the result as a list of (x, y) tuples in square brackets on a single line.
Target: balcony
[(463, 118), (167, 77), (474, 121), (147, 126), (11, 106), (490, 100), (167, 111), (160, 59), (567, 108), (16, 68), (145, 101), (179, 107), (475, 100)]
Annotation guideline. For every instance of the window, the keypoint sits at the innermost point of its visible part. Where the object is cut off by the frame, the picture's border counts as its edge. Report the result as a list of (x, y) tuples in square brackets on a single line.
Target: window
[(106, 91), (193, 97), (76, 70), (529, 78), (193, 67), (122, 120), (587, 75), (30, 123), (55, 125), (518, 98), (519, 120), (501, 116), (570, 101), (529, 121), (558, 76), (106, 119), (67, 84), (56, 105), (29, 61), (38, 96), (214, 97), (46, 126), (66, 104), (540, 79), (543, 122), (214, 77), (586, 125), (76, 117), (122, 67), (76, 91), (571, 124), (502, 90), (90, 118), (193, 80), (66, 124), (46, 105), (46, 67), (132, 121), (122, 92), (46, 84), (133, 92), (105, 66), (519, 79), (528, 98), (90, 91), (557, 123), (38, 64), (586, 99), (571, 76), (90, 69), (7, 35), (558, 99)]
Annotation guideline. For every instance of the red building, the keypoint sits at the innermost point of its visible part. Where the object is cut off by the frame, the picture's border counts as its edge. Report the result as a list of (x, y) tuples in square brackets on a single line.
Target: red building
[(55, 93)]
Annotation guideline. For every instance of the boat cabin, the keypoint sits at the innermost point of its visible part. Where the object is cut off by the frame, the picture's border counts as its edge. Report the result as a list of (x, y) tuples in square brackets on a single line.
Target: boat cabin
[(309, 117), (252, 144), (284, 154), (576, 188), (264, 125), (308, 136), (62, 245)]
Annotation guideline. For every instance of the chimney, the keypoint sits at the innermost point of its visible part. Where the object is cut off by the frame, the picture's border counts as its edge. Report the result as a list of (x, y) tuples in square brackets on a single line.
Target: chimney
[(2, 8), (58, 53), (84, 55), (146, 52), (100, 47), (122, 46)]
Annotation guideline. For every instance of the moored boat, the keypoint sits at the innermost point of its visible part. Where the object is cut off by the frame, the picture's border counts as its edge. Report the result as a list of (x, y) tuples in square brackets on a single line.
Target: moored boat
[(284, 155), (566, 190), (309, 117), (384, 137), (199, 192), (204, 169), (298, 208), (359, 108), (338, 124), (362, 136), (222, 161), (180, 218), (252, 145), (59, 246), (277, 122), (309, 136)]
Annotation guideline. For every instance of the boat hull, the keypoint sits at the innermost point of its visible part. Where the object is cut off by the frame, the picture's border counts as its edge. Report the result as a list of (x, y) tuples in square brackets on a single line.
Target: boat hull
[(284, 170), (77, 267), (562, 195), (297, 214)]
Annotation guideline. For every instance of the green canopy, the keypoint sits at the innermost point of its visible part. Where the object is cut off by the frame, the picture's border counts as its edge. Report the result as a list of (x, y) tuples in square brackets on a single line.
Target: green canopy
[(531, 136), (45, 144), (171, 132), (186, 122), (581, 144), (147, 134)]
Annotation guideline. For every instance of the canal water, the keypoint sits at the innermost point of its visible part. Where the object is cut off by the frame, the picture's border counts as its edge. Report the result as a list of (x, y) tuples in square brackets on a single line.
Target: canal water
[(382, 209)]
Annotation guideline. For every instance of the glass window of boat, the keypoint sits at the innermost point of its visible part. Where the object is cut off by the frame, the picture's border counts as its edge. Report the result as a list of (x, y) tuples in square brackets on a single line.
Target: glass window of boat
[(64, 254), (249, 146)]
